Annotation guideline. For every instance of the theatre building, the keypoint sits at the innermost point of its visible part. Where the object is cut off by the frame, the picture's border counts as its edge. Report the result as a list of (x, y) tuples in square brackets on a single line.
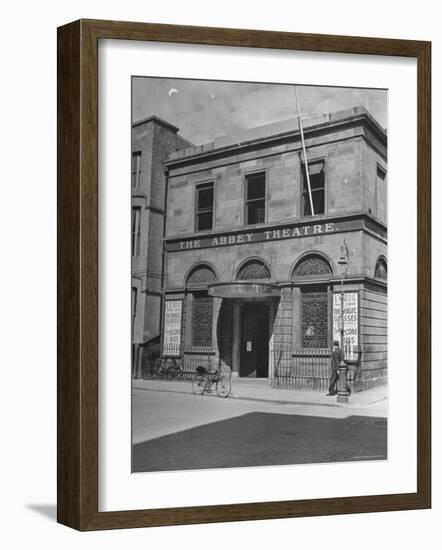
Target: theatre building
[(259, 245)]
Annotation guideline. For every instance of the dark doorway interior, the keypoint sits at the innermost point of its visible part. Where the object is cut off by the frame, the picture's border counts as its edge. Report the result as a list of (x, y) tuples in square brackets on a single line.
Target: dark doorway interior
[(255, 341)]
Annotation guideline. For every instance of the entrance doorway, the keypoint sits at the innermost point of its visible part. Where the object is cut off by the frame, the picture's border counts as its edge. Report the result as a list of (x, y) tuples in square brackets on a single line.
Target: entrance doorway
[(254, 361)]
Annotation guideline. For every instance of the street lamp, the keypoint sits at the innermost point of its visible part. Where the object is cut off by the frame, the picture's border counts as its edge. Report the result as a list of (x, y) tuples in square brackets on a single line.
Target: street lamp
[(342, 396)]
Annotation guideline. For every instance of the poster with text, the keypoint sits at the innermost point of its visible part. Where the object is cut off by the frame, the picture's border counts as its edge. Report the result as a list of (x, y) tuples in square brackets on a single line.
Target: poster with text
[(349, 310), (172, 327)]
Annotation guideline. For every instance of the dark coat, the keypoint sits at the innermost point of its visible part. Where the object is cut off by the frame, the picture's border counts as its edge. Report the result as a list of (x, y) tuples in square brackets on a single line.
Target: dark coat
[(336, 357)]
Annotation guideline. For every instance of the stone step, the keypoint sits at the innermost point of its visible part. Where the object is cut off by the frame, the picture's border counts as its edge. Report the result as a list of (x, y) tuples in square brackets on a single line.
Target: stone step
[(251, 381)]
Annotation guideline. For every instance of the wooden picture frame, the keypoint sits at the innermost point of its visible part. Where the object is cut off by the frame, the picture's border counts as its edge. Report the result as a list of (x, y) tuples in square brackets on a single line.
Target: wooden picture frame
[(77, 460)]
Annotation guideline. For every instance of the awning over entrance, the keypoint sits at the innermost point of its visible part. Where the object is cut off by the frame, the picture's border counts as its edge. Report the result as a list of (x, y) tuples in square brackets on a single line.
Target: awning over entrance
[(244, 289)]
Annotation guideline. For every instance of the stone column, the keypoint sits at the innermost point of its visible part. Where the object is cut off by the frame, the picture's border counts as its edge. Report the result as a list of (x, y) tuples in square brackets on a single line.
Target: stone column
[(272, 306), (236, 337), (284, 319), (216, 309), (282, 330), (187, 320), (297, 318)]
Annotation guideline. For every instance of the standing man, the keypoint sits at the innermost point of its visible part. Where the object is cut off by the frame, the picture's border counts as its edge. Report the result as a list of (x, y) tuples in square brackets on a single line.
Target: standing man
[(336, 357)]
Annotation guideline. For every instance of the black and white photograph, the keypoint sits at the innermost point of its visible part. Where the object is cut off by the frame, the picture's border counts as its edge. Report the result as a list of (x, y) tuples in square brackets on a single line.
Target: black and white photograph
[(219, 252), (259, 274)]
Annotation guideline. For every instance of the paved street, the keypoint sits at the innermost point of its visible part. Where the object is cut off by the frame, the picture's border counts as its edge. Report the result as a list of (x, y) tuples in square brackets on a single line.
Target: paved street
[(176, 430)]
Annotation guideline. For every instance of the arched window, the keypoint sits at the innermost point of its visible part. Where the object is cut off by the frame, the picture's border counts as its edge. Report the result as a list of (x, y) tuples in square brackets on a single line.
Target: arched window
[(201, 275), (380, 271), (312, 265), (254, 269), (201, 305), (314, 300)]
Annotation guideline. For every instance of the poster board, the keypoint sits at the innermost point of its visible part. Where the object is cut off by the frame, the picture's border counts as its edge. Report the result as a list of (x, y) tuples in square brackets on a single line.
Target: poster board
[(172, 327), (351, 322)]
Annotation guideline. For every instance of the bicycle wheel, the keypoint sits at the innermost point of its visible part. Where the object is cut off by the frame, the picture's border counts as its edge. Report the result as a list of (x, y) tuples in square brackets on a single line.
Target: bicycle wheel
[(224, 384), (199, 384)]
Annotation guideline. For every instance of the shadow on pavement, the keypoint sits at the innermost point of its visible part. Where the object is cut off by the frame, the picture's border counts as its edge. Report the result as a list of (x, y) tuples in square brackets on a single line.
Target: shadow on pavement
[(265, 439)]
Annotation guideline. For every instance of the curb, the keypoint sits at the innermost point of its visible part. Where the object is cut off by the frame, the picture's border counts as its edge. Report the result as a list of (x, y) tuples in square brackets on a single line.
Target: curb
[(274, 401)]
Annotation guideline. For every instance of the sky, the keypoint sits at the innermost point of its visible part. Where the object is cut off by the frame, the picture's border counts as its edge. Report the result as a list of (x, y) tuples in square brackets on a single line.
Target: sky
[(206, 109)]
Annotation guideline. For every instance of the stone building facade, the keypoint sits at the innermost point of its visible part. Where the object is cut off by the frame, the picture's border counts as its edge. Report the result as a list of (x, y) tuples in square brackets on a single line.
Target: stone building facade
[(153, 140), (253, 246)]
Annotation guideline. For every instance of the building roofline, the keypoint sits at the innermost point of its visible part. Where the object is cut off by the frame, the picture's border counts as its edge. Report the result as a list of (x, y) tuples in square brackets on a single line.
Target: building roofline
[(330, 120), (159, 120)]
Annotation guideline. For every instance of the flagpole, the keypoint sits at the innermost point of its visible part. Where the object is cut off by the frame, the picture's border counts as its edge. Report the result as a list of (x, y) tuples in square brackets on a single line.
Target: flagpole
[(305, 154)]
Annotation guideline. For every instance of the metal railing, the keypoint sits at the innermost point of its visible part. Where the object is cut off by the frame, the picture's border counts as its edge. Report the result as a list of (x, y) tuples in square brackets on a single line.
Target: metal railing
[(304, 369), (176, 363), (301, 369)]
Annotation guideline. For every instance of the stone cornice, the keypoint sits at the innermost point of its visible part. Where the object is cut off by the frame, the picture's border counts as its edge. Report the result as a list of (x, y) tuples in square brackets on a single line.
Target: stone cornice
[(355, 221), (209, 151)]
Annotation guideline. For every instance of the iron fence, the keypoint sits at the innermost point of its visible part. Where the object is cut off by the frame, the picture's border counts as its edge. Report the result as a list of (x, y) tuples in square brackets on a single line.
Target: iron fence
[(305, 369), (176, 363), (301, 369)]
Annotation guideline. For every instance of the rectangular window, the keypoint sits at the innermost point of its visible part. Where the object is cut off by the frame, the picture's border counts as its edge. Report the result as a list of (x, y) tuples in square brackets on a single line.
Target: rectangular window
[(202, 318), (317, 186), (136, 230), (380, 193), (134, 301), (204, 207), (314, 317), (255, 198), (136, 169), (380, 174), (134, 306)]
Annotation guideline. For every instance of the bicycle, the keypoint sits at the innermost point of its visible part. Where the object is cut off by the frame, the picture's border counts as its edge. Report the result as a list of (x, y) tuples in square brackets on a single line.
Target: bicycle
[(203, 381), (170, 367)]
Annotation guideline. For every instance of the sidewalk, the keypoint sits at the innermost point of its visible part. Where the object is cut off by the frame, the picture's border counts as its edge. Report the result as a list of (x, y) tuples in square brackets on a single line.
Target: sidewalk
[(259, 390)]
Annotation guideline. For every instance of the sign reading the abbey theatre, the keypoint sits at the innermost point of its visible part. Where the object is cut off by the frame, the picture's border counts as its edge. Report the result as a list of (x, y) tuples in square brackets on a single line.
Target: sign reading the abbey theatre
[(294, 231)]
